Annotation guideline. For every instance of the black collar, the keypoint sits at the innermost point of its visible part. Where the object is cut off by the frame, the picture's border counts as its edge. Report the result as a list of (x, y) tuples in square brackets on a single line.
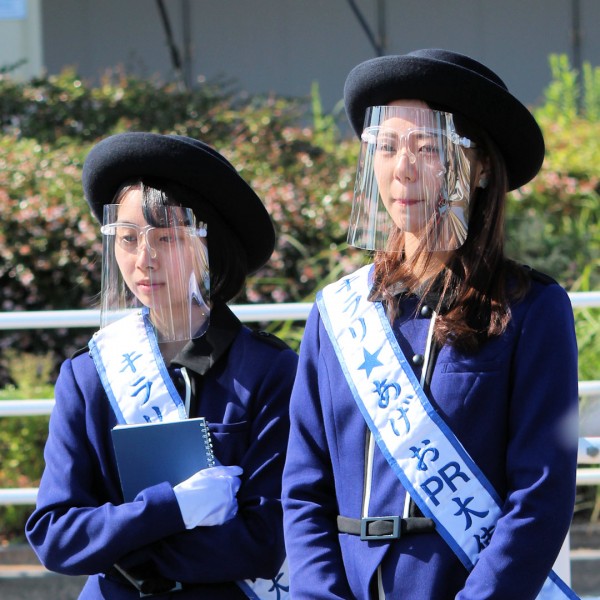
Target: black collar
[(201, 354), (400, 292)]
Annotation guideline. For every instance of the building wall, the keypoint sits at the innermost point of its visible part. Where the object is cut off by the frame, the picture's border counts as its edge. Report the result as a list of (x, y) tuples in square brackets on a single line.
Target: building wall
[(20, 38), (283, 46)]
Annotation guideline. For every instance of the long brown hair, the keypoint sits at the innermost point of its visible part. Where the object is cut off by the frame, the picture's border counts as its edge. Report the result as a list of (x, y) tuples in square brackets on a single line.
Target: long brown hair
[(478, 283)]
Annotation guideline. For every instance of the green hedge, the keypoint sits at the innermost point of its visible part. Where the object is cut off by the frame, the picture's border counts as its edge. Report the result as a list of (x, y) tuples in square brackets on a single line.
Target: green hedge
[(22, 439), (49, 243)]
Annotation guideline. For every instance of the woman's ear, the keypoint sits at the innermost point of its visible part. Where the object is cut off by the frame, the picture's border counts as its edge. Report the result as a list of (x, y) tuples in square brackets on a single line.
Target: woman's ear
[(482, 174), (483, 181)]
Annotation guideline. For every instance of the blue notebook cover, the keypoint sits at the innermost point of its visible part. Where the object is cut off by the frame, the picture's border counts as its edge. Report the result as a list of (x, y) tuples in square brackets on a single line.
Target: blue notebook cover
[(151, 453)]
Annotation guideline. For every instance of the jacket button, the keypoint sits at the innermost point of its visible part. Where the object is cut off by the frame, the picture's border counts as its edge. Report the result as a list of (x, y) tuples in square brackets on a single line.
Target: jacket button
[(426, 311), (418, 359)]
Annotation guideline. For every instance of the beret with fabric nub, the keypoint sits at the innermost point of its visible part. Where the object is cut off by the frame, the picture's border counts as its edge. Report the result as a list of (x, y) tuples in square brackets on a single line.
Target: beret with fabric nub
[(189, 162), (457, 84)]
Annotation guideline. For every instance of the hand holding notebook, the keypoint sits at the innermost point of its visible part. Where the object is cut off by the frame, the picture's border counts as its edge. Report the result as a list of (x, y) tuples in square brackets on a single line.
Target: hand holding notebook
[(180, 453), (150, 453)]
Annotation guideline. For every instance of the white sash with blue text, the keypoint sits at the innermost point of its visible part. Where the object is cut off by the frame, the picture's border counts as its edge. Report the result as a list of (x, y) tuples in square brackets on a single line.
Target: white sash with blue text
[(133, 372), (424, 453), (139, 388)]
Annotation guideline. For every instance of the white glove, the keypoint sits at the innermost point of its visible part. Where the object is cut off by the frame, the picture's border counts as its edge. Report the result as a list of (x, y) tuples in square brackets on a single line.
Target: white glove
[(208, 496)]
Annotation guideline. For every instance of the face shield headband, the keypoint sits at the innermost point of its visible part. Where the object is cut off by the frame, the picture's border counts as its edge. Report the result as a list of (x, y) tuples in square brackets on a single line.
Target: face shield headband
[(155, 258), (413, 177)]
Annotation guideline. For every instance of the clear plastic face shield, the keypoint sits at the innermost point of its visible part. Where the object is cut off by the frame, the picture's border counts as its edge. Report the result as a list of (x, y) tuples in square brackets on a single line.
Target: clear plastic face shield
[(413, 178), (155, 257)]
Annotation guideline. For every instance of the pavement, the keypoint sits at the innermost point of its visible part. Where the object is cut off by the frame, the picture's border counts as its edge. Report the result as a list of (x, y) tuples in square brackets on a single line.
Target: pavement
[(22, 577)]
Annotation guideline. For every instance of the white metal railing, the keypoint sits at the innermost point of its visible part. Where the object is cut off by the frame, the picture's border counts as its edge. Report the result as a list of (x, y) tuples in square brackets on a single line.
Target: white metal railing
[(589, 447), (57, 319), (584, 299), (296, 311)]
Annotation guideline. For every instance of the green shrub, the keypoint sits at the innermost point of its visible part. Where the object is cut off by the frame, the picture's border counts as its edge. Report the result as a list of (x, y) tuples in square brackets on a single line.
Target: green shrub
[(64, 108), (22, 439), (554, 222), (49, 243)]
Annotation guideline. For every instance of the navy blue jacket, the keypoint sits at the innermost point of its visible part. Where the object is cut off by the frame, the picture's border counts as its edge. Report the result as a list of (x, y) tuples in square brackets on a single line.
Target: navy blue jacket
[(513, 405), (241, 382)]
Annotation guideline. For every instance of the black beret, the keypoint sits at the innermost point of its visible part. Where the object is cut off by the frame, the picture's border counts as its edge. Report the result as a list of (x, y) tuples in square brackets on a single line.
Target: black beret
[(460, 85), (192, 163)]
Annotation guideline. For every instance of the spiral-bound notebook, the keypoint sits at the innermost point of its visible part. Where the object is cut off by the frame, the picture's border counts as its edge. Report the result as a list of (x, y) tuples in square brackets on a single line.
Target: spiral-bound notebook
[(151, 453)]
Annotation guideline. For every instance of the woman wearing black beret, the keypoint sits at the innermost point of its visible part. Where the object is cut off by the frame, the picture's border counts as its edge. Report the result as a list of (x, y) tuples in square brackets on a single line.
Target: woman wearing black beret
[(433, 439), (181, 231)]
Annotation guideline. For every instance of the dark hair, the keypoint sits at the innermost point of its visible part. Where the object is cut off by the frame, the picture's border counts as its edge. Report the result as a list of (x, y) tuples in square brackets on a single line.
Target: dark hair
[(226, 256), (478, 283)]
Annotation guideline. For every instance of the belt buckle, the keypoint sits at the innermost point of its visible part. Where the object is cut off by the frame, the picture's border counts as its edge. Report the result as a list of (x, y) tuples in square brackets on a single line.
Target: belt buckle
[(366, 521)]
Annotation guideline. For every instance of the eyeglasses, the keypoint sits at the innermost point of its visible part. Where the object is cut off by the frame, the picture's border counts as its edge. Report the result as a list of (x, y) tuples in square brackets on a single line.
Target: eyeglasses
[(130, 237), (426, 145)]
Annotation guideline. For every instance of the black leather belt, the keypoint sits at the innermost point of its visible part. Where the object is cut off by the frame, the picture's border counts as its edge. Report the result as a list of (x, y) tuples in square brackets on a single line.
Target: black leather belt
[(384, 528)]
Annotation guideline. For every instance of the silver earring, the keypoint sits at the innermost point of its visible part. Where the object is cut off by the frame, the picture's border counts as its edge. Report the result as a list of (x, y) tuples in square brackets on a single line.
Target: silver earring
[(483, 181)]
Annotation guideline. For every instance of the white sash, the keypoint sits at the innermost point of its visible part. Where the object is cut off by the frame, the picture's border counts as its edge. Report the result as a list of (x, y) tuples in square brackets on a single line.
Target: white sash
[(423, 452), (137, 383), (133, 372)]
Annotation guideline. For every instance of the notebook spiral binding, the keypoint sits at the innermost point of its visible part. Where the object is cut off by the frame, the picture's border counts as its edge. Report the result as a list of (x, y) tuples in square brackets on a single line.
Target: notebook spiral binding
[(208, 445)]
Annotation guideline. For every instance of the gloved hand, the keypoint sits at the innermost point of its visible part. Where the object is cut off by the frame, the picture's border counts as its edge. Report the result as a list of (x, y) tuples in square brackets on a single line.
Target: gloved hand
[(208, 496)]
